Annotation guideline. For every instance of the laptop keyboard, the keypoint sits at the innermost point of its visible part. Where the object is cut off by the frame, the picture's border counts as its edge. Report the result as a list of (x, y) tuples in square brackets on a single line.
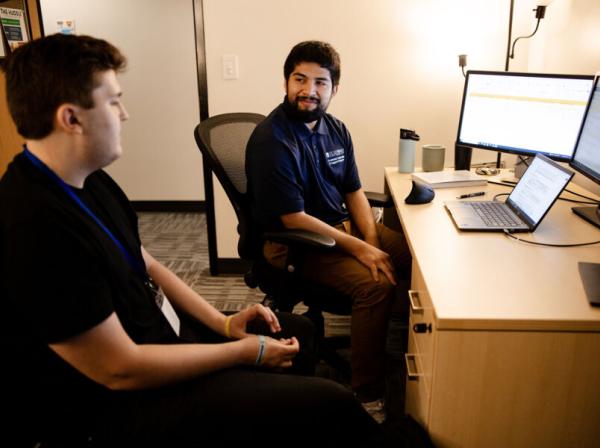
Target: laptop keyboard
[(494, 214)]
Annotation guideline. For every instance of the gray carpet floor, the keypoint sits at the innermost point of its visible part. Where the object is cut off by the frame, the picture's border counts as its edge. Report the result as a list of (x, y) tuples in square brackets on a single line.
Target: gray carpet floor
[(179, 240)]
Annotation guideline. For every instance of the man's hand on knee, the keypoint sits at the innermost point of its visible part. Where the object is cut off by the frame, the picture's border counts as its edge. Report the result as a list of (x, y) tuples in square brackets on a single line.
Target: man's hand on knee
[(375, 260)]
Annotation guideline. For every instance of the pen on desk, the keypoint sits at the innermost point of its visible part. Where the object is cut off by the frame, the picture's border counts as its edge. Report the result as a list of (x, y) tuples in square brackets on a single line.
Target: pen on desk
[(470, 195)]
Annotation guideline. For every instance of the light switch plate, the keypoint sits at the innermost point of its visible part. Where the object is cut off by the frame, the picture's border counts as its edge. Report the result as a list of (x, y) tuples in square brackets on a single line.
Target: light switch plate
[(230, 66)]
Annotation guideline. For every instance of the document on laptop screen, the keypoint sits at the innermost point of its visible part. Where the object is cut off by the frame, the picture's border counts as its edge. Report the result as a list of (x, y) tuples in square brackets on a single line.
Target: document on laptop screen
[(539, 186)]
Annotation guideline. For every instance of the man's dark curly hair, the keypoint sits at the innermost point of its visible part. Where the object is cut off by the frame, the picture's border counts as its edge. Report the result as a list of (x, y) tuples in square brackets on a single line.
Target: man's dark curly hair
[(315, 51)]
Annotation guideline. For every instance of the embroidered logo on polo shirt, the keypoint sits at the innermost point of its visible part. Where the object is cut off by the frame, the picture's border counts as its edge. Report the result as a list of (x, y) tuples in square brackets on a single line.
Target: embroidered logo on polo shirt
[(336, 156)]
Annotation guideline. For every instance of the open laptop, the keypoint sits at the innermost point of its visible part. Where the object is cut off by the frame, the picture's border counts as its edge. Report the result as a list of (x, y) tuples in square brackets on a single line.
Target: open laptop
[(530, 200)]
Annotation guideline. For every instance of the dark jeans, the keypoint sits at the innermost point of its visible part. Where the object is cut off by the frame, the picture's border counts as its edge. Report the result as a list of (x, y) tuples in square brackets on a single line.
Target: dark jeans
[(241, 405)]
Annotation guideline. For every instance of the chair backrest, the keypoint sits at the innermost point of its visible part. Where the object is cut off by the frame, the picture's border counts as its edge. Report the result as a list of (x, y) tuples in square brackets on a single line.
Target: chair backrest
[(222, 140)]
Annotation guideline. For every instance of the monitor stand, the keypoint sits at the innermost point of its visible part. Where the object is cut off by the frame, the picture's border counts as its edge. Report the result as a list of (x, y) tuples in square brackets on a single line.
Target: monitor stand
[(462, 157), (590, 277), (590, 214)]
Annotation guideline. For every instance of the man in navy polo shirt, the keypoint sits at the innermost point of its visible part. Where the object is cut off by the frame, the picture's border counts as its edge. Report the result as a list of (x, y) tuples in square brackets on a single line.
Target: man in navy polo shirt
[(302, 175)]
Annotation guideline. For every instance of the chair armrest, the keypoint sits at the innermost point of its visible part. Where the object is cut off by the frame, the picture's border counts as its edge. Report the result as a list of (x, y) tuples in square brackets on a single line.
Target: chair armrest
[(299, 237), (379, 199)]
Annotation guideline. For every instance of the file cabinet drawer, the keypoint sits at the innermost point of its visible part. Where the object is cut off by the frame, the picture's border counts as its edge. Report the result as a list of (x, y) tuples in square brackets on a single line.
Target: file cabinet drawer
[(418, 389), (422, 327)]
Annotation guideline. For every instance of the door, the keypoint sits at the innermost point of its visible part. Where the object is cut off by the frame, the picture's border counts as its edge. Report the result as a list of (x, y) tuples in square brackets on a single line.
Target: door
[(10, 140)]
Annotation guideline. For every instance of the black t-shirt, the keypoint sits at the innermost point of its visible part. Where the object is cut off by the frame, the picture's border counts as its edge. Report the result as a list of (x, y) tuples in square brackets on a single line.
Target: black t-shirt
[(60, 275)]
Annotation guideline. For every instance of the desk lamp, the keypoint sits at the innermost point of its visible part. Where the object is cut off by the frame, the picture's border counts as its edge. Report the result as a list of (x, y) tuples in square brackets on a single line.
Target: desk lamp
[(540, 12)]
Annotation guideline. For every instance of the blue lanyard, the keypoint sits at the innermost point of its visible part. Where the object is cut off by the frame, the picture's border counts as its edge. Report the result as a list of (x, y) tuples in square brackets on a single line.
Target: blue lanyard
[(135, 264)]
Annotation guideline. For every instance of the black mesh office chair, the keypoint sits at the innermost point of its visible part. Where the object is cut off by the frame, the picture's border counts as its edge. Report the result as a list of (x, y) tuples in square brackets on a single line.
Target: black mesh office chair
[(222, 140)]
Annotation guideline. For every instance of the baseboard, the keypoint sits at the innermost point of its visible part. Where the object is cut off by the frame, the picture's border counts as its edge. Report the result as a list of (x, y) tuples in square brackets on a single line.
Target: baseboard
[(232, 266), (169, 206)]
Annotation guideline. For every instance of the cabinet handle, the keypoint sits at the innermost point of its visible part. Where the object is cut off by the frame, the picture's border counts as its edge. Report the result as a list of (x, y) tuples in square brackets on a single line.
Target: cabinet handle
[(415, 303), (410, 360), (422, 328)]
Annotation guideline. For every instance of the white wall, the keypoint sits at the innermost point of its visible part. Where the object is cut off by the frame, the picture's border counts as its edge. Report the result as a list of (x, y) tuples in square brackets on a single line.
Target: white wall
[(569, 38), (160, 160)]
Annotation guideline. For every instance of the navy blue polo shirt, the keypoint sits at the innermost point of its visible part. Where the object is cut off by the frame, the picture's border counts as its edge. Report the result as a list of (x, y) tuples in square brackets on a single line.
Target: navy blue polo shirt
[(292, 169)]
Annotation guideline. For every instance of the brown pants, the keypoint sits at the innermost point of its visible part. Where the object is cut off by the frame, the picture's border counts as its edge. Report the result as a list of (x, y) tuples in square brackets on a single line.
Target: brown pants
[(371, 300)]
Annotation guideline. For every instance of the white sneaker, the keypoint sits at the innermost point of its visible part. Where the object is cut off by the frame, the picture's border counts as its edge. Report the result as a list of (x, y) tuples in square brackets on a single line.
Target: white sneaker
[(376, 409)]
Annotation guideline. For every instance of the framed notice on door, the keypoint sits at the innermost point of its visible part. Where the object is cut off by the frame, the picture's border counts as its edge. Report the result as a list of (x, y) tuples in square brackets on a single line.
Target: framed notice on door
[(15, 25), (2, 44)]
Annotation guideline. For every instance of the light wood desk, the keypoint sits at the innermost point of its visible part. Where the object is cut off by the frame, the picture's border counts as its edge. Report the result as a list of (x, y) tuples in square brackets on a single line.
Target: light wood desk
[(512, 357)]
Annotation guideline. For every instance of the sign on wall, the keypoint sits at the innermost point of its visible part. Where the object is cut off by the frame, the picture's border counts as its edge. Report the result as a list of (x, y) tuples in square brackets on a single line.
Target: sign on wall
[(14, 27)]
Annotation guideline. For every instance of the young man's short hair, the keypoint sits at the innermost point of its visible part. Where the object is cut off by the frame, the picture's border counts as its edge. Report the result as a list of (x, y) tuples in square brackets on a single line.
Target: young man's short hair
[(315, 51), (48, 72)]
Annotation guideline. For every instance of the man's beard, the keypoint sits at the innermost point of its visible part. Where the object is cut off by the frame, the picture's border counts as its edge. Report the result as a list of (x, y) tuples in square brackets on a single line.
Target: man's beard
[(305, 116)]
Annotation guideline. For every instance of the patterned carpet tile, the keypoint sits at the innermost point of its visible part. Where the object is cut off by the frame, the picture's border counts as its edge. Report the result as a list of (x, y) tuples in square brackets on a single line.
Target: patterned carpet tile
[(178, 240)]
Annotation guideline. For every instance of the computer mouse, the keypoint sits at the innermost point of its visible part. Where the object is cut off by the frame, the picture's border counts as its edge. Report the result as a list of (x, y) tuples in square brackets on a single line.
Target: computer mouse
[(421, 193)]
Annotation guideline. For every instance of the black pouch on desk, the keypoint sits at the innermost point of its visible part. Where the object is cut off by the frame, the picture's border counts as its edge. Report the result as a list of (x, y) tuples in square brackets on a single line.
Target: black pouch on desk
[(590, 276)]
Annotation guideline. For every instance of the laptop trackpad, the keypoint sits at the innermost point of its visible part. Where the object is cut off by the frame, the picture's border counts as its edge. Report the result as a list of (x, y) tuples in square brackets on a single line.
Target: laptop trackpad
[(464, 216)]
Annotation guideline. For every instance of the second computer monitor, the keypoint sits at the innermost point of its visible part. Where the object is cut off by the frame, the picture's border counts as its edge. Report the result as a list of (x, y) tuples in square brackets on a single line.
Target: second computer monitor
[(523, 113), (586, 159)]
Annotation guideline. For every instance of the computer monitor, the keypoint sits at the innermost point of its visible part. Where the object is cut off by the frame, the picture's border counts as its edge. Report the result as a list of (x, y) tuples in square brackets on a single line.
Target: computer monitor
[(586, 158), (523, 113)]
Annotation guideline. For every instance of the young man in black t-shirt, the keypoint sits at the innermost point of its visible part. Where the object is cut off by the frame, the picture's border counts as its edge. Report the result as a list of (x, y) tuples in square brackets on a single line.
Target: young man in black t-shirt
[(90, 357)]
